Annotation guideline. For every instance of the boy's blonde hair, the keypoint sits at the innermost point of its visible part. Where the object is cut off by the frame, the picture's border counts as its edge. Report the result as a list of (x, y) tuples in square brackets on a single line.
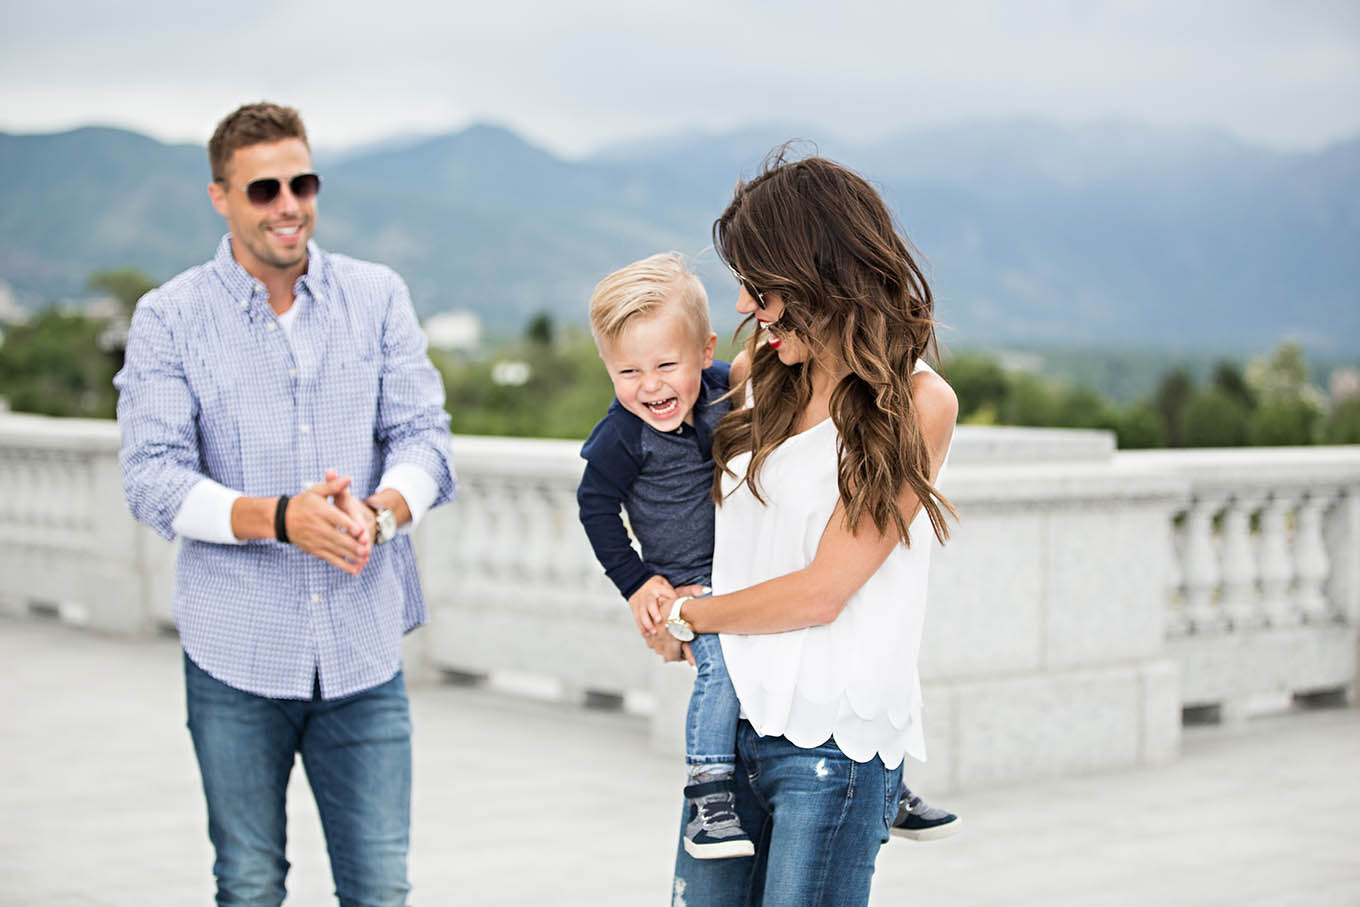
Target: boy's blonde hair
[(642, 288)]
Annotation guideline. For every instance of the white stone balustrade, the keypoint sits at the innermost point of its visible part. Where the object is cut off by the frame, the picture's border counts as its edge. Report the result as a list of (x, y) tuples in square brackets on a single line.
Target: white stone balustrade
[(1085, 598), (1270, 572)]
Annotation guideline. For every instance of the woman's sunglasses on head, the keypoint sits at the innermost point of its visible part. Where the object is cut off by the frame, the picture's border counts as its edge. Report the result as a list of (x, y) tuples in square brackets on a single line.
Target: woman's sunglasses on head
[(262, 192)]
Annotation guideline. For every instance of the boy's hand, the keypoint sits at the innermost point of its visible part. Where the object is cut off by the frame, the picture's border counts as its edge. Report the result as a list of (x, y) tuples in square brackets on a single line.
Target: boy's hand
[(645, 604)]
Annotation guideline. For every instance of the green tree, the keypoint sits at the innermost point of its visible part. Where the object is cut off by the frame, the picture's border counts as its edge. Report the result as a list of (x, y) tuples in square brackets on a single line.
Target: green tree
[(1229, 381), (566, 394), (540, 329), (1081, 407), (127, 285), (1213, 418), (1139, 427), (979, 383), (1169, 402), (1029, 401), (54, 365), (1284, 422), (1343, 423)]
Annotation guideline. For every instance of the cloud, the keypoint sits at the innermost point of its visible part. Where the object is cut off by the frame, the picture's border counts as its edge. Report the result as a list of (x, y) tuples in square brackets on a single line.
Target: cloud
[(579, 75)]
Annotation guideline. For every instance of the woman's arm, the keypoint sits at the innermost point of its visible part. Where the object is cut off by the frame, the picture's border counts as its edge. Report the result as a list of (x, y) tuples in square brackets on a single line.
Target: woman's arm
[(845, 558)]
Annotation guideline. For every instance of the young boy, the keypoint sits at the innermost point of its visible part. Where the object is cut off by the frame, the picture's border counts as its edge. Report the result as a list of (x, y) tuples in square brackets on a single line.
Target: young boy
[(651, 456)]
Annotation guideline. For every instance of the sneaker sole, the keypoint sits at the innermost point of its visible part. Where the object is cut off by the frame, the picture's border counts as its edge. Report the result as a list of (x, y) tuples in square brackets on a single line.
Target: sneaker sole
[(720, 851), (928, 834)]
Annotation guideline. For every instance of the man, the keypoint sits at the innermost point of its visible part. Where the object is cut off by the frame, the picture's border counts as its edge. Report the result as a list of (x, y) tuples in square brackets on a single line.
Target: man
[(279, 413)]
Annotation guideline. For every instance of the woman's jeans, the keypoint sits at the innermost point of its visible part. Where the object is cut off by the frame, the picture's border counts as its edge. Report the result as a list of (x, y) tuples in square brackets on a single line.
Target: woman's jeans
[(711, 724), (817, 818), (357, 754)]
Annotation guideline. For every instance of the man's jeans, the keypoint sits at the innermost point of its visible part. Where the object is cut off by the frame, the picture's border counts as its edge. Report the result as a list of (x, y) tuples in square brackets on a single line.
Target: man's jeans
[(817, 818), (357, 754)]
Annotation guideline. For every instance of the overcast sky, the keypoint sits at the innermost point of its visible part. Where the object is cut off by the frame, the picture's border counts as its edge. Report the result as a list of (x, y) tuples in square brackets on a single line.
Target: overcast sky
[(577, 75)]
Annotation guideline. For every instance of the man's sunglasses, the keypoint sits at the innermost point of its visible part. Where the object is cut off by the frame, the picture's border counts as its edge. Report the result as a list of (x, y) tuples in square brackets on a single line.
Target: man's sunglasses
[(262, 192), (749, 288)]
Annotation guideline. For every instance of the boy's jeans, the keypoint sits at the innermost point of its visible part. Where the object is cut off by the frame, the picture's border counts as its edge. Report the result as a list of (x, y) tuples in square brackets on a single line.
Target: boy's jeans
[(711, 725), (357, 753)]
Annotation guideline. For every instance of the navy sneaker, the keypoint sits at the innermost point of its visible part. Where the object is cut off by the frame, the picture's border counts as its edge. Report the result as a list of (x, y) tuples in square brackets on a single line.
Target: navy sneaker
[(918, 820), (713, 831)]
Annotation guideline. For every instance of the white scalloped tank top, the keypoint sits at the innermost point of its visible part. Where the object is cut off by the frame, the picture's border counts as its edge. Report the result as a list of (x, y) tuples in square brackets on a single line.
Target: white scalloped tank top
[(856, 678)]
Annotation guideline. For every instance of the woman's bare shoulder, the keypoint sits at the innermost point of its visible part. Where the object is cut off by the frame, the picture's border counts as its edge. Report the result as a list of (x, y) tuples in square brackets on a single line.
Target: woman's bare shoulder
[(936, 404)]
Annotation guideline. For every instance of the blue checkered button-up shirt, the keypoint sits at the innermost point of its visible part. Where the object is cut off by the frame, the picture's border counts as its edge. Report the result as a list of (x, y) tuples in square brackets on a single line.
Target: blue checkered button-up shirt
[(212, 387)]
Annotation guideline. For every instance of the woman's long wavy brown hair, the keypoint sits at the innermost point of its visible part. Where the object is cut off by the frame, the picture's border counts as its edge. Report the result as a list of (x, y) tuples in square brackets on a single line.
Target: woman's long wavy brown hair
[(822, 238)]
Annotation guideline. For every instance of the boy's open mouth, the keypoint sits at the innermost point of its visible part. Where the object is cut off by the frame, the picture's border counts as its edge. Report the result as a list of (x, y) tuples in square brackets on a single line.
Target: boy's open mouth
[(665, 409)]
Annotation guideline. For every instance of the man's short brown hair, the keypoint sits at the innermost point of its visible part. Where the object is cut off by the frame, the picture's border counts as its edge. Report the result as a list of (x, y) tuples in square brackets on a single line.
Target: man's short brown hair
[(251, 124)]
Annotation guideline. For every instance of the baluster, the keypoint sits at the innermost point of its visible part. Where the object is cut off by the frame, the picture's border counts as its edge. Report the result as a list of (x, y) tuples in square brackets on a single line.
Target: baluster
[(476, 554), (1177, 622), (1241, 604), (561, 513), (1341, 531), (47, 493), (571, 556), (1310, 556), (64, 489), (24, 488), (1277, 567), (535, 531), (502, 527), (9, 482), (1202, 573)]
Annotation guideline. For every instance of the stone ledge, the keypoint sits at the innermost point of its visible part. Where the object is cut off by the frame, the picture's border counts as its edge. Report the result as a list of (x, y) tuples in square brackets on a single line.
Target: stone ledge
[(1049, 725), (1227, 668)]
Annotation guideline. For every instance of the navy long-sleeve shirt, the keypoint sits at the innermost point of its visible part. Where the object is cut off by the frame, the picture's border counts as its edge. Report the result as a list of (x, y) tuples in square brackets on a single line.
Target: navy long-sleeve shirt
[(664, 481)]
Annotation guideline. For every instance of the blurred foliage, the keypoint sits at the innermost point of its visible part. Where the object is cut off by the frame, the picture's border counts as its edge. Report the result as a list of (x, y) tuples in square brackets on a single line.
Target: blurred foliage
[(1270, 402), (549, 383), (126, 285), (1213, 418), (54, 365), (1169, 402), (566, 393), (1139, 428), (1343, 423)]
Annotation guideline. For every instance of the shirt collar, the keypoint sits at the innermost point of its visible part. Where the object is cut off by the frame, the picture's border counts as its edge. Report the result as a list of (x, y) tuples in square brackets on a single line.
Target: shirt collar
[(244, 288)]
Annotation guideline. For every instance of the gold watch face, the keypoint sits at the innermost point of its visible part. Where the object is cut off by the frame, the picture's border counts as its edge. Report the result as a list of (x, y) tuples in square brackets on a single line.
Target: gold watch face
[(681, 630), (387, 525)]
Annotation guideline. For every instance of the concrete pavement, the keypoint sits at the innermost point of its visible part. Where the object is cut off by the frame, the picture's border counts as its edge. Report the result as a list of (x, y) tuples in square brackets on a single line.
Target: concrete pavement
[(520, 802)]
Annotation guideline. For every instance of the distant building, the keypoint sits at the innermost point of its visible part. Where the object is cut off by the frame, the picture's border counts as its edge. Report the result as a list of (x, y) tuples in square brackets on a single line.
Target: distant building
[(1344, 383), (511, 373), (454, 330), (10, 310)]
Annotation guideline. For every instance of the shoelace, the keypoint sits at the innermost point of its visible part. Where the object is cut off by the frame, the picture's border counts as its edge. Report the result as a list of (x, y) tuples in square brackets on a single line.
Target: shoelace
[(717, 810)]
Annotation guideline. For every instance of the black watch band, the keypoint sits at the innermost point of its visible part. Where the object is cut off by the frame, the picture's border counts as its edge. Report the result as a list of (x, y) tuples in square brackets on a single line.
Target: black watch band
[(280, 524)]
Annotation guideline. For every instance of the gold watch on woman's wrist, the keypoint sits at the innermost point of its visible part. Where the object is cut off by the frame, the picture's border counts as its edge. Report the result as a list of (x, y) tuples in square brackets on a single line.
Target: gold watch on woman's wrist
[(676, 625)]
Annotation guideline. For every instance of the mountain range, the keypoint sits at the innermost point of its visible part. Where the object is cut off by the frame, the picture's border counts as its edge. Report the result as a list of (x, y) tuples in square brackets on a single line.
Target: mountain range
[(1109, 235)]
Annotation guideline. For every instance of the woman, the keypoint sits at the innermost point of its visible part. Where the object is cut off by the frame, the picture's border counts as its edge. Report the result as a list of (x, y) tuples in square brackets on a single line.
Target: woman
[(826, 505)]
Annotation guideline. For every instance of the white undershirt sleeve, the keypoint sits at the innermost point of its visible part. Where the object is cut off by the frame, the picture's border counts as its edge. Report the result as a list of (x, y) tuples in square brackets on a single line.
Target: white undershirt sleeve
[(205, 513), (415, 485)]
